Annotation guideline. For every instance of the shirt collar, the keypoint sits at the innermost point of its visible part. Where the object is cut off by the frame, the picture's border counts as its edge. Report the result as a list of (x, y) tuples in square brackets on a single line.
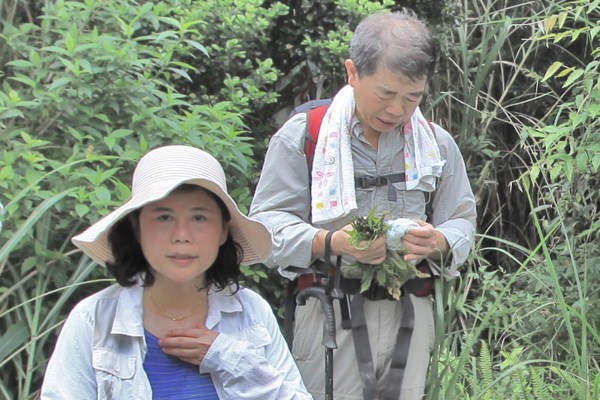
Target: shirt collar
[(355, 127), (129, 315), (221, 302)]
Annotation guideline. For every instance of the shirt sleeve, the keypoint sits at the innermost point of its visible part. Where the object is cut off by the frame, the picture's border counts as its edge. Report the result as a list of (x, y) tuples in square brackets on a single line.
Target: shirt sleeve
[(454, 211), (282, 198), (257, 367), (69, 373)]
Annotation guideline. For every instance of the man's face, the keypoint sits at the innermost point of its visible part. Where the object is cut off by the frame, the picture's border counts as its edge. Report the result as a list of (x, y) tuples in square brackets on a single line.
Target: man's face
[(384, 100)]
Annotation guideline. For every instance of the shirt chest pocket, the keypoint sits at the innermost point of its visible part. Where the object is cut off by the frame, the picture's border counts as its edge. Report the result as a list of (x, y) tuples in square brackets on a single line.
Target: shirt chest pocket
[(114, 374), (258, 336)]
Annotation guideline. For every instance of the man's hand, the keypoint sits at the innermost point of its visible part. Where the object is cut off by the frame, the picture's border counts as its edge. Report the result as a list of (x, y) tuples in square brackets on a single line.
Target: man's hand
[(190, 344), (374, 254), (424, 242)]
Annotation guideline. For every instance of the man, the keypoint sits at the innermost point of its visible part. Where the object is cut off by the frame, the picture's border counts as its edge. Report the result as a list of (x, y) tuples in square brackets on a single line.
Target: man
[(374, 129)]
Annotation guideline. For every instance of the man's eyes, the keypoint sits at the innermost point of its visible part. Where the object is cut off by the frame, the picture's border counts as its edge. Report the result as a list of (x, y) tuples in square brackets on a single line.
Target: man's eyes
[(386, 96), (389, 96)]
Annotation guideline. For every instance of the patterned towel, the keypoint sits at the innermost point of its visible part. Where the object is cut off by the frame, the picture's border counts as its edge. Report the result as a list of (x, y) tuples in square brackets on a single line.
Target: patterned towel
[(332, 190)]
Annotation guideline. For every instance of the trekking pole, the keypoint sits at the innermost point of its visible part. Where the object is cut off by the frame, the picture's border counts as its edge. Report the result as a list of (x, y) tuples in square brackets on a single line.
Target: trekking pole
[(328, 330)]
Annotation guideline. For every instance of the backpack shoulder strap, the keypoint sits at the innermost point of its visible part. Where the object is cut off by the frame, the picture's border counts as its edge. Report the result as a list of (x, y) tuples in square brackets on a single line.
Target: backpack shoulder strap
[(315, 111), (313, 124), (429, 196)]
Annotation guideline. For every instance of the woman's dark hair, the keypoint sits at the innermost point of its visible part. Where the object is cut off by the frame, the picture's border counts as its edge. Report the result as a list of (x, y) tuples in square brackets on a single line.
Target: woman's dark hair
[(129, 259)]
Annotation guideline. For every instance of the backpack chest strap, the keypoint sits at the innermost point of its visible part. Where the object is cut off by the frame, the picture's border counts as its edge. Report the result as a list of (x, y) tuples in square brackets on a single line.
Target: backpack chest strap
[(367, 181)]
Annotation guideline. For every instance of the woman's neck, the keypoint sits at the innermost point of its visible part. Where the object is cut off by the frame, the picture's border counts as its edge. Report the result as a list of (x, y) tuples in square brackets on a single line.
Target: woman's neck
[(168, 306)]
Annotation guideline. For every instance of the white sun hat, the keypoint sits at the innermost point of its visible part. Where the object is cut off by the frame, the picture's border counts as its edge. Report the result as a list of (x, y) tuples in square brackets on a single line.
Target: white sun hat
[(156, 175)]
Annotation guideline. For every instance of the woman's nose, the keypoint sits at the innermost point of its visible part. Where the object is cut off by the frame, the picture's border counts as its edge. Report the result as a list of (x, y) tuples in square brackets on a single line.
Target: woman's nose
[(182, 233)]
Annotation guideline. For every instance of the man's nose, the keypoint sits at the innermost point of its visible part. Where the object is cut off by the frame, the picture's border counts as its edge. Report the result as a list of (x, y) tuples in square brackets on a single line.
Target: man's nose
[(396, 108)]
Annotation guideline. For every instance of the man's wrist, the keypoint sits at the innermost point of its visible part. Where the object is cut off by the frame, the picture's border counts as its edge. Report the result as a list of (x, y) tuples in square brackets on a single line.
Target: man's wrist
[(441, 249)]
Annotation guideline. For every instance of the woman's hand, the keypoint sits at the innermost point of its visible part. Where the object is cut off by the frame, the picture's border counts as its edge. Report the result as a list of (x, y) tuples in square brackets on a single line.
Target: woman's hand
[(190, 344)]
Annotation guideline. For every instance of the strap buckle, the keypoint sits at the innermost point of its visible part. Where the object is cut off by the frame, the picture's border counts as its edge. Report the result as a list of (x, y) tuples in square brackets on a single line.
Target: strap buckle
[(367, 181)]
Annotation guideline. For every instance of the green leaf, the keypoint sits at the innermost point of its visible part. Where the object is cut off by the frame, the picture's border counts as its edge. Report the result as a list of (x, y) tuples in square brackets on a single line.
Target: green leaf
[(555, 171), (25, 80), (35, 215), (81, 210), (171, 21), (28, 264), (55, 49), (197, 46), (20, 64), (11, 113), (60, 82), (181, 73), (15, 336), (552, 70), (73, 67), (573, 76)]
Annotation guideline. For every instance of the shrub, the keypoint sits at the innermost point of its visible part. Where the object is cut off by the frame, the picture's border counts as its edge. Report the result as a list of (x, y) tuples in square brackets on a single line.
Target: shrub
[(86, 88)]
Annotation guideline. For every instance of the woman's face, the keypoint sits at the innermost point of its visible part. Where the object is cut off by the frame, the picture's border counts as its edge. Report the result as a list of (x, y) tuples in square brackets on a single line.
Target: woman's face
[(180, 235)]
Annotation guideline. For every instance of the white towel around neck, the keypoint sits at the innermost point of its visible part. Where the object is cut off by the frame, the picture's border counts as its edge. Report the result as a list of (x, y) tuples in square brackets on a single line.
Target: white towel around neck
[(332, 187)]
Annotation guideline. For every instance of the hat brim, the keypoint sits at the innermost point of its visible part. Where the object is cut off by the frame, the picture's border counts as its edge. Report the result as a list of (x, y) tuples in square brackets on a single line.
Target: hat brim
[(252, 236)]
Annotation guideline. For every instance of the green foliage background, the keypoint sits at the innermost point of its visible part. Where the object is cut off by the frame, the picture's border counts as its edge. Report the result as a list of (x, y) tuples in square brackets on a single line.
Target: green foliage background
[(86, 87)]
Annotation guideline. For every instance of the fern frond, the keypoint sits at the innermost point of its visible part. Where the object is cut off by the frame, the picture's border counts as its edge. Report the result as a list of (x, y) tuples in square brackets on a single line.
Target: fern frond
[(540, 387), (485, 366), (574, 384)]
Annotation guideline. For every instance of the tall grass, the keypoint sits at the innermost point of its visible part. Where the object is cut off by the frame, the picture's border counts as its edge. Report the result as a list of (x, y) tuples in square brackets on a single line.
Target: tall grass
[(35, 296), (522, 322), (480, 350)]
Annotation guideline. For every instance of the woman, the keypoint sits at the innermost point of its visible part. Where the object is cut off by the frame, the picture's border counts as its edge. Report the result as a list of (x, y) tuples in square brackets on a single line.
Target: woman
[(176, 324)]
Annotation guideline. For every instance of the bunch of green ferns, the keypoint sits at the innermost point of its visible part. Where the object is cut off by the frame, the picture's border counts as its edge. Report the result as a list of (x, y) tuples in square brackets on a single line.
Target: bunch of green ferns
[(393, 272)]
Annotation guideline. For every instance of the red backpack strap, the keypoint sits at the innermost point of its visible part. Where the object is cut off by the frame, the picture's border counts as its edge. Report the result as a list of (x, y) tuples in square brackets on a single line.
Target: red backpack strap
[(431, 127), (313, 123)]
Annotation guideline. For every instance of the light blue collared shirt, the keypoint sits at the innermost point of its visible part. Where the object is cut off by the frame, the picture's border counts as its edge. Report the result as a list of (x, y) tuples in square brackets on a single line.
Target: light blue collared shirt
[(101, 348), (282, 198)]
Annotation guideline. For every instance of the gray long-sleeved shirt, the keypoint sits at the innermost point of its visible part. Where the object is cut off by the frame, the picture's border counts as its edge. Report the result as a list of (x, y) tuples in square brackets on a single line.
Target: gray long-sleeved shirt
[(282, 197)]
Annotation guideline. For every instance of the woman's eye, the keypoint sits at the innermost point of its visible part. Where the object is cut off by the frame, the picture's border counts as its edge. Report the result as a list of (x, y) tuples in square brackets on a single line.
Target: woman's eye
[(199, 218), (163, 217)]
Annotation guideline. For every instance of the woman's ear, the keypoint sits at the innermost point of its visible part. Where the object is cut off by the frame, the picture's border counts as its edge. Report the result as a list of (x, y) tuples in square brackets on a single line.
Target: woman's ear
[(224, 234), (134, 220)]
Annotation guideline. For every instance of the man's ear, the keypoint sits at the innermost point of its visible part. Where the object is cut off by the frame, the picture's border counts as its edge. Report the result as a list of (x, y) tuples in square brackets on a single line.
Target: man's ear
[(351, 71)]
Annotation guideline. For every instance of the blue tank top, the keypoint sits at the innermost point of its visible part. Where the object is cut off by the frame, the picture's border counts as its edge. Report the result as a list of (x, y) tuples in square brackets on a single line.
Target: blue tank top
[(172, 378)]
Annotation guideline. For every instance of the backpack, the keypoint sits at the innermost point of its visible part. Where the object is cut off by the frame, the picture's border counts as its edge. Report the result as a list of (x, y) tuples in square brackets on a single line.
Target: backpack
[(316, 110)]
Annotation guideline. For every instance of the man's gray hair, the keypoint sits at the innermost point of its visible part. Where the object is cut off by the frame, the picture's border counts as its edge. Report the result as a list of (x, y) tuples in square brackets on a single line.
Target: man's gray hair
[(399, 41)]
